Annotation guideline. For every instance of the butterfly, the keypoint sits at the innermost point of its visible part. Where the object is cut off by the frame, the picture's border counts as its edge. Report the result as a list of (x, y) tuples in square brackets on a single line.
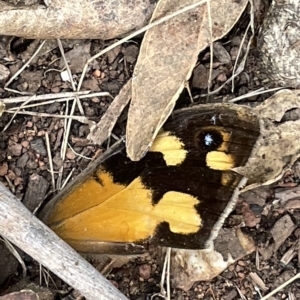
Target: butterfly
[(175, 196)]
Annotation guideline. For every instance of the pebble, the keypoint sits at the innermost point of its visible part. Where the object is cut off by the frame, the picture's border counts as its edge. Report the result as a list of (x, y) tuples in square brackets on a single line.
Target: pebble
[(38, 146), (144, 271), (15, 149), (3, 169)]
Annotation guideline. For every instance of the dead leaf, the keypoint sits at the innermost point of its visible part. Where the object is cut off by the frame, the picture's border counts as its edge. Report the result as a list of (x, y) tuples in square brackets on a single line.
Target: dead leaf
[(275, 150), (189, 266), (167, 57), (281, 230), (78, 19)]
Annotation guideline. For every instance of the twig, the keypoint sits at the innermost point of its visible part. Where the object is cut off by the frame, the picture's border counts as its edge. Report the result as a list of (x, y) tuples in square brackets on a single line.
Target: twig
[(254, 93), (16, 254), (81, 119), (44, 97), (50, 159), (28, 233), (297, 276), (211, 48)]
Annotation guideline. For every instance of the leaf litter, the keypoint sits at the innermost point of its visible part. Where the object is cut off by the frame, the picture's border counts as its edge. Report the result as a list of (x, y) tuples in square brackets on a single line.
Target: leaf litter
[(208, 42)]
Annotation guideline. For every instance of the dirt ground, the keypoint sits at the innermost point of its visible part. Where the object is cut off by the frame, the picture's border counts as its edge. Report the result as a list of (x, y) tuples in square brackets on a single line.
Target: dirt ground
[(24, 164)]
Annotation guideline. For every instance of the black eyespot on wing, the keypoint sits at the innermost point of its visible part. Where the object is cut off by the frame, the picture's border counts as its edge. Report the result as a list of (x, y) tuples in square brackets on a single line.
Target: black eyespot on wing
[(208, 140)]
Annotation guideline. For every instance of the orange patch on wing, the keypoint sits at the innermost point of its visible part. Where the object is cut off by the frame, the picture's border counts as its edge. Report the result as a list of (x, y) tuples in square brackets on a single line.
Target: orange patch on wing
[(218, 160), (85, 196), (115, 213)]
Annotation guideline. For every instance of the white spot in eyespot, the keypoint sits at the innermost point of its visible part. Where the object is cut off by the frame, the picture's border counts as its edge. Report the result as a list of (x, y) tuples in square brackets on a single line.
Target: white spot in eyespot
[(208, 140)]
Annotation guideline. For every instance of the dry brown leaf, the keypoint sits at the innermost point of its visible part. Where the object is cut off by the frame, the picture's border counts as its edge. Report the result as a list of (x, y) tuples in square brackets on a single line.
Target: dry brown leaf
[(167, 57), (275, 150), (77, 19), (190, 266)]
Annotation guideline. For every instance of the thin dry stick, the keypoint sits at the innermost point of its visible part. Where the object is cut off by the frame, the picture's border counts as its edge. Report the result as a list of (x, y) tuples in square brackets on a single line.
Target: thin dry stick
[(40, 104), (163, 278), (168, 272), (70, 76), (44, 97), (67, 179), (211, 48), (59, 178), (132, 35), (240, 293), (47, 273), (25, 65), (62, 52), (254, 93), (54, 70), (15, 113), (60, 100), (243, 40), (81, 119), (16, 254), (67, 132), (50, 160), (78, 154), (76, 101), (297, 276), (239, 70), (65, 129)]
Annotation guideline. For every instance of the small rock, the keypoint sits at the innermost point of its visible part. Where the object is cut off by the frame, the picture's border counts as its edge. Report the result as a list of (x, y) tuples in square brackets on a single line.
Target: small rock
[(38, 146), (231, 268), (14, 149), (4, 73), (231, 295), (11, 175), (221, 53), (3, 169), (70, 154), (25, 144), (58, 162), (77, 57), (53, 108), (201, 75), (55, 90), (35, 192), (131, 53), (18, 181), (144, 271), (22, 161), (91, 84), (113, 54), (112, 86), (29, 124), (89, 111), (83, 131), (234, 52), (222, 77), (97, 73), (31, 80), (31, 164)]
